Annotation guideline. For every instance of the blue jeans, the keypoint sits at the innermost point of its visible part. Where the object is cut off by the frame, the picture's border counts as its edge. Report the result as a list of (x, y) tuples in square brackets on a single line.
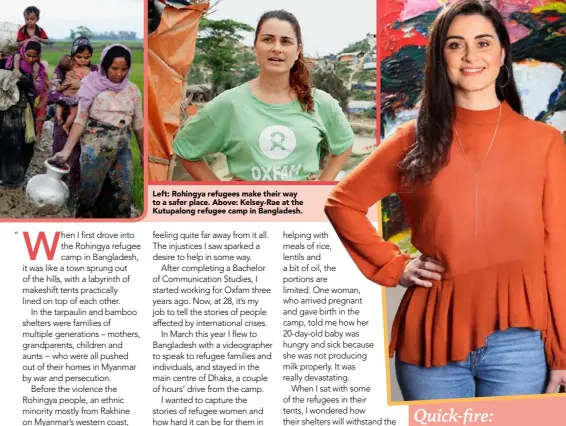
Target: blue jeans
[(512, 362)]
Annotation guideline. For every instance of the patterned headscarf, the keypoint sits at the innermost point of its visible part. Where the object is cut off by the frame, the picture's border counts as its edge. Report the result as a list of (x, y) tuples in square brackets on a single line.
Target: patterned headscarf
[(97, 81), (39, 83), (78, 42)]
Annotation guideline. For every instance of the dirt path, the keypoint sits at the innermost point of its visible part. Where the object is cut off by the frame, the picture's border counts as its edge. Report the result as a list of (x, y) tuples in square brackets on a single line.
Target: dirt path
[(359, 67), (13, 202)]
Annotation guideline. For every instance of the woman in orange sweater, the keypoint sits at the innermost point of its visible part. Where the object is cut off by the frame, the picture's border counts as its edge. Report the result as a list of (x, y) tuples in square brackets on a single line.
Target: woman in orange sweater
[(484, 187)]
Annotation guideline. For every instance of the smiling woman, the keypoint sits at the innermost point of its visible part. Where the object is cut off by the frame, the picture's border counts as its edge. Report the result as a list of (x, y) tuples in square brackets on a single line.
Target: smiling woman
[(482, 60), (473, 60), (484, 311), (273, 127)]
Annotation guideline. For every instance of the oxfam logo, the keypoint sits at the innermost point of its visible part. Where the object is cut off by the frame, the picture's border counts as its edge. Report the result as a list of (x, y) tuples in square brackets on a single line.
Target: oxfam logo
[(277, 142)]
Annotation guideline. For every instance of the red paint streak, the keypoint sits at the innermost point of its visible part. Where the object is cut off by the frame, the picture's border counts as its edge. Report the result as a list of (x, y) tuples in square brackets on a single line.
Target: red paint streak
[(391, 40)]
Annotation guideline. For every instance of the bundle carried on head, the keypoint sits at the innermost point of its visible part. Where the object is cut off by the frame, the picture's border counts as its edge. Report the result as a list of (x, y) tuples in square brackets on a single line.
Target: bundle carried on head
[(8, 37)]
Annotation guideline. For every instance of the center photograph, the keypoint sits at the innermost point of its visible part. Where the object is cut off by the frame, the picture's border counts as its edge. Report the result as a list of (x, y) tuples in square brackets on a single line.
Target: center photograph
[(259, 93)]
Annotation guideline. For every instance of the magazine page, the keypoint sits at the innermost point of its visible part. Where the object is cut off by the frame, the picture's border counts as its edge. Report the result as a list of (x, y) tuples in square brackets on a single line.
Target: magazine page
[(225, 213)]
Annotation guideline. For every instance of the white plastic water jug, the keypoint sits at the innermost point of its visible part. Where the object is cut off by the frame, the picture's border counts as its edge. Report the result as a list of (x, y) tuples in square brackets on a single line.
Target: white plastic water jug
[(47, 192)]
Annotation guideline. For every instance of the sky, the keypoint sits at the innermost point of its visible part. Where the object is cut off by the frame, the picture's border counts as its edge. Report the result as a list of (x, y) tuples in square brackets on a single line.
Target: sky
[(327, 26), (58, 17)]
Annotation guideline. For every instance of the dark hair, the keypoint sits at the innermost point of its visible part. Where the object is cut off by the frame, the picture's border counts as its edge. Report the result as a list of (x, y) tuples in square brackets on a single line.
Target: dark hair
[(300, 75), (113, 53), (31, 9), (81, 49), (437, 111), (82, 44), (65, 63), (33, 45)]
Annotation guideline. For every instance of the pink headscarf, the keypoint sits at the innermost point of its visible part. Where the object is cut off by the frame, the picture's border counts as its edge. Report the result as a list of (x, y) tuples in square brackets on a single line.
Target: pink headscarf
[(39, 83), (97, 81)]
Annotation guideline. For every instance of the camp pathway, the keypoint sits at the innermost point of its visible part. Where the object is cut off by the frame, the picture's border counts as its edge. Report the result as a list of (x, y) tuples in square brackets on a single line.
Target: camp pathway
[(13, 203)]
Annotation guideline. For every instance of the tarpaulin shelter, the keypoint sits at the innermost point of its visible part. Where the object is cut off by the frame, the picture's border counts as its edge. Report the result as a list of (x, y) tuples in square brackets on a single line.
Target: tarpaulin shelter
[(171, 50)]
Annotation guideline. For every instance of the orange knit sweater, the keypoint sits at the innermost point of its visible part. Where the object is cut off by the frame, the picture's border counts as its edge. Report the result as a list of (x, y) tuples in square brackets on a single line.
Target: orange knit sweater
[(504, 249)]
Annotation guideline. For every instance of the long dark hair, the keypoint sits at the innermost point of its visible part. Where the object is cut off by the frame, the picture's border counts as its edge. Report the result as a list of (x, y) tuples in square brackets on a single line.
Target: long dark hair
[(437, 112), (300, 74)]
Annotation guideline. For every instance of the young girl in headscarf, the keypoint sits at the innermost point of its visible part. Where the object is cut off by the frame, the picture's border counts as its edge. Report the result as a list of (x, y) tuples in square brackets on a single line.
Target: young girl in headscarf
[(81, 54), (108, 104), (37, 68), (28, 60)]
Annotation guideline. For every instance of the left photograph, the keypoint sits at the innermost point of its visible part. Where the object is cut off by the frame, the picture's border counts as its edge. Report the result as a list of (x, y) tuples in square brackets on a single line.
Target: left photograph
[(71, 110)]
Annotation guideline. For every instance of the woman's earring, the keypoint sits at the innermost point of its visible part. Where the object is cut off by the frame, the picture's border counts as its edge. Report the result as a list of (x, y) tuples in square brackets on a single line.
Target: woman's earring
[(508, 77)]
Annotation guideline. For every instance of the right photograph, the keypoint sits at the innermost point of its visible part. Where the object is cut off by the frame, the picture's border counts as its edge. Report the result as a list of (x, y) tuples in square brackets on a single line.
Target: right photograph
[(471, 176), (539, 72), (247, 91)]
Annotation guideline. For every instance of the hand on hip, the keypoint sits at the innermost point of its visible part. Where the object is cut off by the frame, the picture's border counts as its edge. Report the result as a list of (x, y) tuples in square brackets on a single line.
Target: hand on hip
[(420, 271)]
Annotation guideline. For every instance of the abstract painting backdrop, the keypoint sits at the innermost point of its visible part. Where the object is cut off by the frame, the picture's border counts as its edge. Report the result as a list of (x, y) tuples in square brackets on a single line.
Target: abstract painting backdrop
[(538, 36)]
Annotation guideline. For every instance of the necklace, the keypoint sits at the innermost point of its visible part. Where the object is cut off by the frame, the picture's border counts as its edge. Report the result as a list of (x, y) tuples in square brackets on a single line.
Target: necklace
[(476, 171)]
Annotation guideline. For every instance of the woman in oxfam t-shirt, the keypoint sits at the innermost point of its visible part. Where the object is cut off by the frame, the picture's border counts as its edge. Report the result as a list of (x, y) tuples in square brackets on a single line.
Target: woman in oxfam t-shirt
[(272, 127)]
